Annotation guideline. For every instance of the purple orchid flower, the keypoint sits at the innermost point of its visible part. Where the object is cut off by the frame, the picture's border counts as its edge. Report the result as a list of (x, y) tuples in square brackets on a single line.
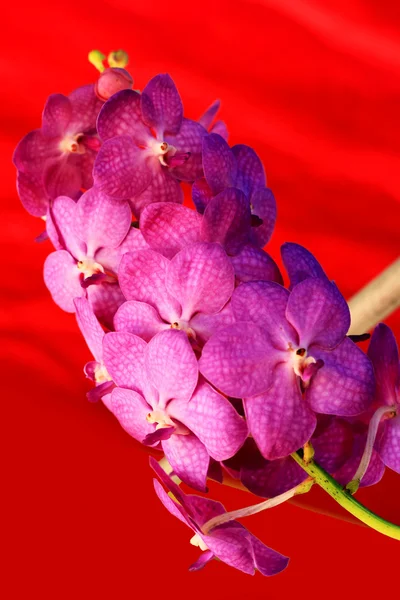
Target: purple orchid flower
[(188, 293), (384, 354), (94, 370), (60, 155), (230, 542), (285, 345), (160, 400), (148, 145), (240, 168), (90, 237), (167, 228)]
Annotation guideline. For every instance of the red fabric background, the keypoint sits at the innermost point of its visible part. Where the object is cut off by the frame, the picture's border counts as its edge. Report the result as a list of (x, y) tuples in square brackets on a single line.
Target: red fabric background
[(314, 86)]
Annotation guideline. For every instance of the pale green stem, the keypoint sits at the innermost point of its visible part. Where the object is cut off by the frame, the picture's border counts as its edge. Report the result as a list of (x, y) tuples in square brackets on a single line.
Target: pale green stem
[(344, 498), (302, 488)]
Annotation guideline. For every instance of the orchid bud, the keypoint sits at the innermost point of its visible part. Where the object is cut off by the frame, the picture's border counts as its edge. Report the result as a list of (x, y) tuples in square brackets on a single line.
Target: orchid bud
[(111, 81)]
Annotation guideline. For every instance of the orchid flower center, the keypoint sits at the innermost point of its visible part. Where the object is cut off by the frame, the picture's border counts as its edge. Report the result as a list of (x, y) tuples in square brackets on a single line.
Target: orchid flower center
[(160, 149), (300, 360), (89, 267), (160, 418), (182, 325), (101, 374), (197, 541), (71, 144)]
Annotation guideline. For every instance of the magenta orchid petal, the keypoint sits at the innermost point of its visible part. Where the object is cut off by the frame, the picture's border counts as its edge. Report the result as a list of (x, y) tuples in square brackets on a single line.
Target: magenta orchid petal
[(100, 391), (131, 410), (201, 194), (142, 277), (57, 114), (205, 325), (90, 327), (105, 300), (201, 562), (163, 188), (279, 420), (101, 220), (157, 436), (62, 278), (121, 115), (161, 105), (168, 228), (250, 171), (318, 312), (253, 264), (209, 115), (32, 194), (266, 560), (34, 151), (300, 264), (264, 303), (171, 365), (189, 139), (85, 109), (219, 163), (172, 507), (333, 444), (201, 277), (375, 470), (221, 129), (63, 177), (384, 354), (227, 220), (122, 170), (239, 360), (139, 318), (389, 445), (110, 258), (189, 459), (212, 418), (87, 161), (123, 355), (345, 384), (263, 205)]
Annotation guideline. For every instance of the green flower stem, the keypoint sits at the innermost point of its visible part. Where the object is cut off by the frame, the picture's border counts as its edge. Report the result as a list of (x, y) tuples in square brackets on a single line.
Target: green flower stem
[(344, 498)]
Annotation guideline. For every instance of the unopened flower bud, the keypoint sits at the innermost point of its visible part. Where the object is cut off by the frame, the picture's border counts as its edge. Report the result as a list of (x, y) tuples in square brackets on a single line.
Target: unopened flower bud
[(111, 81)]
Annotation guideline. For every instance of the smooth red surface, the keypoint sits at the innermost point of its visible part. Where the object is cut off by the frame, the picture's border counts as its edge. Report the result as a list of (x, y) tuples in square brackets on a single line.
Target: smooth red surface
[(314, 87)]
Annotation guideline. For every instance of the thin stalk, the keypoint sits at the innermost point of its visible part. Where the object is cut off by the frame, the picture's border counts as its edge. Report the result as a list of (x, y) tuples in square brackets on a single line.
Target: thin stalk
[(344, 498), (302, 488)]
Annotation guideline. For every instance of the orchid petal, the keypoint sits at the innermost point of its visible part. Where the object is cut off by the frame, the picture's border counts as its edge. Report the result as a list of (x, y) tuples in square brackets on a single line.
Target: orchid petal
[(201, 278), (319, 313), (121, 169), (384, 355), (101, 220), (345, 384), (189, 459), (90, 327), (168, 228), (219, 163), (142, 277), (227, 220), (333, 445), (139, 318), (205, 325), (253, 264), (62, 278), (231, 543), (163, 188), (264, 303), (121, 115), (105, 300), (189, 139), (173, 507), (279, 420), (389, 446), (263, 205), (123, 355), (250, 171), (212, 418), (85, 109), (32, 194), (209, 115), (57, 113), (35, 151), (201, 194), (161, 105), (131, 410), (238, 360), (171, 365), (63, 177), (300, 264)]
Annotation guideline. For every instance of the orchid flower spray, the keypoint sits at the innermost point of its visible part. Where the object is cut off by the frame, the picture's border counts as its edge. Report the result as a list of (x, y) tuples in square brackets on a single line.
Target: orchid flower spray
[(204, 352)]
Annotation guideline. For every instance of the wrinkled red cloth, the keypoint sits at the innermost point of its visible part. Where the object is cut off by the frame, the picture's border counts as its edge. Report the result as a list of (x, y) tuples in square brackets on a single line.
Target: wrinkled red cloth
[(314, 86)]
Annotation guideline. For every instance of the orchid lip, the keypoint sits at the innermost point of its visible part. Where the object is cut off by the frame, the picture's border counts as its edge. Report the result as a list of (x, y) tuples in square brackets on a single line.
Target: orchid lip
[(300, 360), (72, 145), (89, 267)]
